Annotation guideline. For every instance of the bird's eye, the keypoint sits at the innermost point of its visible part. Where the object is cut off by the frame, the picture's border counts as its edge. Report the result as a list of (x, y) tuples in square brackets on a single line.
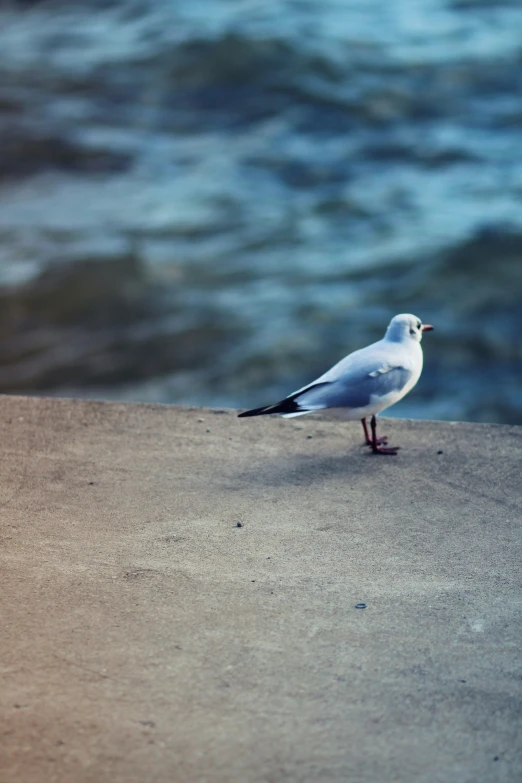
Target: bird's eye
[(419, 324)]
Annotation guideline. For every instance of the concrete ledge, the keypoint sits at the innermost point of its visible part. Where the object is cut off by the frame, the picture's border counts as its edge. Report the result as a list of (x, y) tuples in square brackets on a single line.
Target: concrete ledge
[(147, 637)]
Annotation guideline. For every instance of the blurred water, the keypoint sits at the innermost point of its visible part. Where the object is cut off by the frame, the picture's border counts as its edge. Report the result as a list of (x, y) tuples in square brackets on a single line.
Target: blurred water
[(210, 202)]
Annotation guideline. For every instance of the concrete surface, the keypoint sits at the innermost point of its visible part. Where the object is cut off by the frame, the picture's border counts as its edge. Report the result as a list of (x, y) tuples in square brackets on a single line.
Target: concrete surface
[(146, 637)]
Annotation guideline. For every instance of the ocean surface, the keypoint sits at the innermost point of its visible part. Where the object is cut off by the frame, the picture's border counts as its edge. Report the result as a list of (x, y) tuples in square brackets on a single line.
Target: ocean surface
[(212, 201)]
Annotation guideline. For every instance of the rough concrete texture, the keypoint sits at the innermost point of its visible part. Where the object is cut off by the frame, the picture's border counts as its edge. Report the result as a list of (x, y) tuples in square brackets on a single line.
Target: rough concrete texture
[(147, 637)]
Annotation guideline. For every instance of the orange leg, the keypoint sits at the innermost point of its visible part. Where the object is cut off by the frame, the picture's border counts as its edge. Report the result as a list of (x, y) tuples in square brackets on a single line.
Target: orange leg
[(369, 441), (375, 442)]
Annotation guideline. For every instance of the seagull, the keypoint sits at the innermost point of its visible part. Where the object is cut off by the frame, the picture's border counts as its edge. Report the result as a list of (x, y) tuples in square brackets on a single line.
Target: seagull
[(365, 382)]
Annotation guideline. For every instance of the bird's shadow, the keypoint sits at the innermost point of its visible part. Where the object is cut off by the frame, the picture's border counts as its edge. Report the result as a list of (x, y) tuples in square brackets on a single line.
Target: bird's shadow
[(306, 469)]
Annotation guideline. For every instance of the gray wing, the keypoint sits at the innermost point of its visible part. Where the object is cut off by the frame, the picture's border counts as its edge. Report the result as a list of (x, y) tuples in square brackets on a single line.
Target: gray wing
[(353, 390)]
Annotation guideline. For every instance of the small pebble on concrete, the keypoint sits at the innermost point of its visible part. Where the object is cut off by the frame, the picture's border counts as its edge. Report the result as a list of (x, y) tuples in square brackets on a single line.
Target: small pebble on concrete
[(239, 524)]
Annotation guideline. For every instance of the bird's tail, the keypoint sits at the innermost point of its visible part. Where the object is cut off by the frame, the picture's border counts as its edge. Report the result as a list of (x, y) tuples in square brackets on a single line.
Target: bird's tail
[(291, 406), (279, 407)]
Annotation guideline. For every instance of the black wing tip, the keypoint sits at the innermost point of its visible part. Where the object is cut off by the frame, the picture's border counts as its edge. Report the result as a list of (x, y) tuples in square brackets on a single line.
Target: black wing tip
[(257, 411), (288, 405), (285, 406), (254, 412)]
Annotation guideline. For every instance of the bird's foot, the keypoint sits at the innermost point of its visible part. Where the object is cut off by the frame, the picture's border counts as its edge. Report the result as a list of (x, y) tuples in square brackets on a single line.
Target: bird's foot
[(383, 439), (391, 450)]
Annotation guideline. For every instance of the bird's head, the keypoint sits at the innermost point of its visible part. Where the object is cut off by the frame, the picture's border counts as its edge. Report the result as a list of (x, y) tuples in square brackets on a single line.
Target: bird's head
[(406, 327)]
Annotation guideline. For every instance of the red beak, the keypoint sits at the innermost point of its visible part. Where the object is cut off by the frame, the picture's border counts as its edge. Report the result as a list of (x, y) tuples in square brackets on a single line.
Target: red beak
[(427, 328)]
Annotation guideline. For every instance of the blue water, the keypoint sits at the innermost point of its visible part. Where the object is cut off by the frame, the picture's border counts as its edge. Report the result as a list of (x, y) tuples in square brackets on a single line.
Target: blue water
[(293, 175)]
